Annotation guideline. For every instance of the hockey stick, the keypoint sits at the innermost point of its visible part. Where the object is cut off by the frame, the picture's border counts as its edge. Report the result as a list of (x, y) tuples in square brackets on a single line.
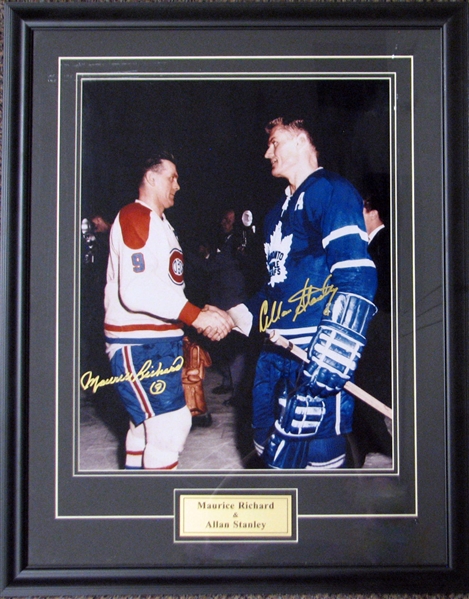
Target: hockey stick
[(276, 338)]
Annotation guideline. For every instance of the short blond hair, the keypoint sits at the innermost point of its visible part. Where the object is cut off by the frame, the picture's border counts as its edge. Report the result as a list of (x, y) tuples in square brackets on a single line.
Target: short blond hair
[(296, 125)]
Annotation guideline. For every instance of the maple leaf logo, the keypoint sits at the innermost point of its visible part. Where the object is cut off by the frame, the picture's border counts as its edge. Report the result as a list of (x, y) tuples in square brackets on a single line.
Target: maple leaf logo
[(277, 250)]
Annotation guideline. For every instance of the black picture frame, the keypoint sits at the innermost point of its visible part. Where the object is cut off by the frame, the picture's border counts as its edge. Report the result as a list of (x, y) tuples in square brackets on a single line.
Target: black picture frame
[(60, 533)]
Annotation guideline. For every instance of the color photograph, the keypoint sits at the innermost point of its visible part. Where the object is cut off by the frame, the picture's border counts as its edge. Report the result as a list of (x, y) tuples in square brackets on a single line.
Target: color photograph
[(274, 233)]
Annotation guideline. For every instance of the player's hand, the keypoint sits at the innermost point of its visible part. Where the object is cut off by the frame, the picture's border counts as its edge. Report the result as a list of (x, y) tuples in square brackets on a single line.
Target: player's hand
[(213, 323)]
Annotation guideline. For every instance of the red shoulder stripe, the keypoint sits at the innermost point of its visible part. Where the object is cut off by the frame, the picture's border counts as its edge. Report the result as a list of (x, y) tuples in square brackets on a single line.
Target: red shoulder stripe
[(135, 225)]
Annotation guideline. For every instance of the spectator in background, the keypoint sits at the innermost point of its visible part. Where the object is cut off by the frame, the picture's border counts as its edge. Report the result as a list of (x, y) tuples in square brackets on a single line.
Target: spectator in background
[(370, 432), (95, 252), (227, 288)]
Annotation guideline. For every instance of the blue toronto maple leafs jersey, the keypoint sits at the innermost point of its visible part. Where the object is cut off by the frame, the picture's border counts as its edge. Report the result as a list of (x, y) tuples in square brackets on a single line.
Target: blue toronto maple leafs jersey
[(315, 245)]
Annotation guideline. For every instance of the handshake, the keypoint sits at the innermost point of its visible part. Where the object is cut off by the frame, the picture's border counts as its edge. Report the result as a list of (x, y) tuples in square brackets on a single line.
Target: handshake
[(213, 323)]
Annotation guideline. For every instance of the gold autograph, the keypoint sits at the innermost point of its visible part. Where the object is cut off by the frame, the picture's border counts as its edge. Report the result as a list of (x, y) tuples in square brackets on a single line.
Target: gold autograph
[(305, 298), (277, 312), (147, 371)]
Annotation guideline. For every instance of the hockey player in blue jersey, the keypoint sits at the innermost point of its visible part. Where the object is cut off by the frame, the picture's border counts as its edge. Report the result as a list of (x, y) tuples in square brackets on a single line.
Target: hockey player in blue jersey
[(319, 295)]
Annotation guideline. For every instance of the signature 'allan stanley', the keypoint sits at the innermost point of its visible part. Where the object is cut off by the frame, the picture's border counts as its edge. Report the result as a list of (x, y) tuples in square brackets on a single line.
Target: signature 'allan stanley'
[(306, 297)]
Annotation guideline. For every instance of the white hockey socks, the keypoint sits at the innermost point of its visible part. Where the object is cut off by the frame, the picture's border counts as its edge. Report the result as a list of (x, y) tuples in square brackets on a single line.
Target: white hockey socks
[(134, 447), (166, 435)]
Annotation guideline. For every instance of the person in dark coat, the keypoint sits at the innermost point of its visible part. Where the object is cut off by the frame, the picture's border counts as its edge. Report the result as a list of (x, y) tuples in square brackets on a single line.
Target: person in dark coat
[(370, 430), (227, 288)]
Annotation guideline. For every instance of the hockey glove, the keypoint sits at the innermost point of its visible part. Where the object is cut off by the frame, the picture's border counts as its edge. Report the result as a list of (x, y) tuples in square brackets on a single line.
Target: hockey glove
[(336, 348), (299, 420), (301, 415)]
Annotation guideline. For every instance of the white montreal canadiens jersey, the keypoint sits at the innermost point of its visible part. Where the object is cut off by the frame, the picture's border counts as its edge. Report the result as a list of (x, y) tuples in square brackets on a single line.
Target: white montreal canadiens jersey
[(315, 244), (145, 278)]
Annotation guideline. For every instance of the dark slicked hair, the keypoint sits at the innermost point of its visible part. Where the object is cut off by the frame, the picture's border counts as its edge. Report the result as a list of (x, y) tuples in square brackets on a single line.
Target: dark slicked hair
[(154, 162), (294, 124), (373, 201)]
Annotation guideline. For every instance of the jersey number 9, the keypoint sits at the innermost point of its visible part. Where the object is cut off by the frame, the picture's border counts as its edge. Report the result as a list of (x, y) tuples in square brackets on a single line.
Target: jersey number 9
[(138, 262)]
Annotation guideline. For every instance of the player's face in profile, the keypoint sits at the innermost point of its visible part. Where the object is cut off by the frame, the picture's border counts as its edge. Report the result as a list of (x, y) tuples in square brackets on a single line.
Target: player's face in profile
[(166, 182), (282, 151)]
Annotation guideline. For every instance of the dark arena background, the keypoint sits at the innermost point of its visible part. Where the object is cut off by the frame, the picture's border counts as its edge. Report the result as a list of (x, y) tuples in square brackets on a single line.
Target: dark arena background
[(215, 129)]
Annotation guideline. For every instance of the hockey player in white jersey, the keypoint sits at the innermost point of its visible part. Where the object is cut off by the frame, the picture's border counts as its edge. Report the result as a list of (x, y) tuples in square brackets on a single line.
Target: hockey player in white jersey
[(319, 296), (145, 311)]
